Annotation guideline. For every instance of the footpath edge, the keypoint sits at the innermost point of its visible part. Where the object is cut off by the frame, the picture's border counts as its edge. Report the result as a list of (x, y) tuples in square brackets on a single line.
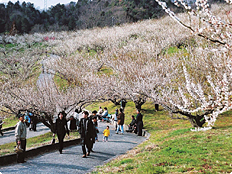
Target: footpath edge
[(10, 159)]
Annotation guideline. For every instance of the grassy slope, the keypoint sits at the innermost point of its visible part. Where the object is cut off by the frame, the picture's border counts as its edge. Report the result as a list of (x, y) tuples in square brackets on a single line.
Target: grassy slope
[(10, 121), (173, 148)]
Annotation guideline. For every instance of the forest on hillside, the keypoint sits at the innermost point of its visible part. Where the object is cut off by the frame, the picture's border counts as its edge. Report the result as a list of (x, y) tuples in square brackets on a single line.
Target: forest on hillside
[(20, 18)]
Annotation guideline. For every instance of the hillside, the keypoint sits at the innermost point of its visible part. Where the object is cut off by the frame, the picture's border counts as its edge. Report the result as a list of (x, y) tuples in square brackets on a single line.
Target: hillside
[(185, 70), (17, 18), (172, 148)]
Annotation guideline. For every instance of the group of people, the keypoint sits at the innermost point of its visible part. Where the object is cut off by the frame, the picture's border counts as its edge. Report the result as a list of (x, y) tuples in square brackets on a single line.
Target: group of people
[(103, 115), (119, 119), (87, 127), (31, 121), (135, 126)]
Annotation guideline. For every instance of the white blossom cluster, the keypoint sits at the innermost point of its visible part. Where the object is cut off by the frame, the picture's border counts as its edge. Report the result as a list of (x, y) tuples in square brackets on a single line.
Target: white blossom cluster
[(229, 1), (202, 22), (131, 61)]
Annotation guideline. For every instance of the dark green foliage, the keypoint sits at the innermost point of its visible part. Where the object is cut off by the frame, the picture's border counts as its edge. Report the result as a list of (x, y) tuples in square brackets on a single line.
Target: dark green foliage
[(24, 16), (71, 23), (137, 10), (82, 14)]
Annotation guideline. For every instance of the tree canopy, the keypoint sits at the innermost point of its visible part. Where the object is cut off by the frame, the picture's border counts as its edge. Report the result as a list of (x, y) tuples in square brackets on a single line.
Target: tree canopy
[(25, 18)]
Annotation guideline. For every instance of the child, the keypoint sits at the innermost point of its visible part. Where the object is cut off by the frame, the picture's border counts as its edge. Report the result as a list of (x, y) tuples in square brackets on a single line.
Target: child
[(106, 134)]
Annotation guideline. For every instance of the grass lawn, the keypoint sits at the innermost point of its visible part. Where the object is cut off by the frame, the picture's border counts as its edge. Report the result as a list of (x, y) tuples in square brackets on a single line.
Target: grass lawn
[(172, 147), (41, 140), (10, 121)]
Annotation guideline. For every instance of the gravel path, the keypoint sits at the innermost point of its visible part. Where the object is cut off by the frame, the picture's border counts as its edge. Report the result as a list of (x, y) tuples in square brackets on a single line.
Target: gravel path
[(71, 160), (44, 79), (9, 136)]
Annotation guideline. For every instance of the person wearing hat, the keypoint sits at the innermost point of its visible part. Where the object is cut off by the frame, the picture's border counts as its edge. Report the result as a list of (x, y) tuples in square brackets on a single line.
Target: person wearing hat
[(20, 135)]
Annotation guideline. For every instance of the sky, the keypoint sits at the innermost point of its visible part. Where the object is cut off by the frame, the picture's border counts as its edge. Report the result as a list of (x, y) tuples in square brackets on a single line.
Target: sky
[(39, 4)]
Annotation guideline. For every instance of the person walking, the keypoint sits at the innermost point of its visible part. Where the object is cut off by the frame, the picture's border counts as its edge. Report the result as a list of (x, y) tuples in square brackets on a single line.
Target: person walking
[(116, 119), (95, 124), (76, 116), (106, 134), (20, 135), (93, 117), (61, 128), (121, 117), (27, 119), (33, 122), (139, 123), (1, 123), (123, 104), (87, 133), (73, 125)]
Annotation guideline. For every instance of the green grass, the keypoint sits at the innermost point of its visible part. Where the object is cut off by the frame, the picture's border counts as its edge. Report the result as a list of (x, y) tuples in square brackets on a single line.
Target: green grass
[(10, 121), (8, 45), (62, 83), (40, 44), (172, 147), (34, 142)]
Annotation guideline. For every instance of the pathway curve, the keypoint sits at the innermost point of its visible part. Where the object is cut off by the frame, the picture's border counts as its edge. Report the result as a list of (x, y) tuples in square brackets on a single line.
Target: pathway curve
[(71, 160), (45, 78), (9, 136)]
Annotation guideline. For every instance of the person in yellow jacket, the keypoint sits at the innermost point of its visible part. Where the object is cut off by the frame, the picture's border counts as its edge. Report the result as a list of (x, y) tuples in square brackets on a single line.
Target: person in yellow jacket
[(106, 134)]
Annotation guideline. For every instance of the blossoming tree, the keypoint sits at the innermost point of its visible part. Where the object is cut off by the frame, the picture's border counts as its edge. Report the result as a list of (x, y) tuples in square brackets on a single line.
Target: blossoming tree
[(203, 95)]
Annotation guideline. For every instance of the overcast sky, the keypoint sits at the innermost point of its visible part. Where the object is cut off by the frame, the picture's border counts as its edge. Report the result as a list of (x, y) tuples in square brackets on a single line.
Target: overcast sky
[(39, 4)]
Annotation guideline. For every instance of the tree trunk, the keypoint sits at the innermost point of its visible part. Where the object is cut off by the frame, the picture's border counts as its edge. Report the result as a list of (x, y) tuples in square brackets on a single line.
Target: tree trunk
[(115, 102), (197, 121), (157, 107), (138, 103), (138, 106)]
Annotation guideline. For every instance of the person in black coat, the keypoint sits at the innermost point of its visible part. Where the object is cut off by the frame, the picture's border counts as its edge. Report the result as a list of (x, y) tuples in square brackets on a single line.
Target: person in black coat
[(95, 128), (139, 123), (61, 129), (87, 133), (131, 126), (73, 125), (1, 123)]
